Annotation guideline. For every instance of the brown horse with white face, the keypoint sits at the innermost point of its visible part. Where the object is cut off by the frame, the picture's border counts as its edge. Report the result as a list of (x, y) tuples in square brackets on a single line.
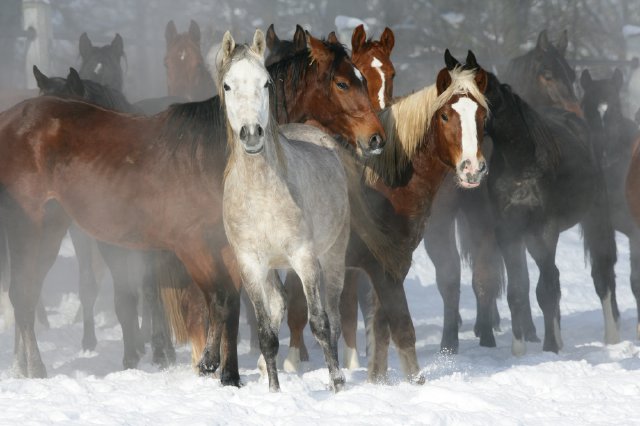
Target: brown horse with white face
[(187, 74), (373, 59)]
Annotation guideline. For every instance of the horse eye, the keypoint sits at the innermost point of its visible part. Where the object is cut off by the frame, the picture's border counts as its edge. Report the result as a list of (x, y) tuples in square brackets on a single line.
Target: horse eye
[(226, 87), (444, 116), (342, 85)]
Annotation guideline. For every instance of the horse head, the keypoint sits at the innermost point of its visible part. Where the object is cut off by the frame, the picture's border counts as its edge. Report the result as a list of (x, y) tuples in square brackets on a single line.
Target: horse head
[(102, 63), (373, 59)]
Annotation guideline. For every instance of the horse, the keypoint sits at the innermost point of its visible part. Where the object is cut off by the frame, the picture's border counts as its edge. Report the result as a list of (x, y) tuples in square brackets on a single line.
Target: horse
[(355, 287), (285, 204), (545, 178), (102, 63), (614, 136), (127, 266), (281, 49), (543, 77), (187, 74)]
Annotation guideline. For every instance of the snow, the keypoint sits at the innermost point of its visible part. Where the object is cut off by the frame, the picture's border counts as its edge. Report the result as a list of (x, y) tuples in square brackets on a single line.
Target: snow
[(587, 383)]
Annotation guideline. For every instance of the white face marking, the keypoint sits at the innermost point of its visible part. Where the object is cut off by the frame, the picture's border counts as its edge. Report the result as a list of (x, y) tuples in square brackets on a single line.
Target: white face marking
[(467, 108), (247, 100), (377, 65), (183, 54), (358, 74), (602, 108), (98, 68)]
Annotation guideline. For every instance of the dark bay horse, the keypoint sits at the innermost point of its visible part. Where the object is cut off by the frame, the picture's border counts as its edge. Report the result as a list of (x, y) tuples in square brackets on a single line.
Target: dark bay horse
[(187, 74), (545, 178), (281, 49), (127, 266), (614, 136), (102, 63)]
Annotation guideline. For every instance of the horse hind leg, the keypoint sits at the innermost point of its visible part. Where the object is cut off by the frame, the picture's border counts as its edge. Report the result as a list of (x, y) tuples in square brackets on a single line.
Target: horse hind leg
[(87, 286), (297, 318)]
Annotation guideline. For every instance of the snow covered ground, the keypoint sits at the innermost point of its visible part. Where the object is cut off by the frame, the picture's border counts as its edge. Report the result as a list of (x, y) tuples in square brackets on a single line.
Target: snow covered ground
[(587, 383)]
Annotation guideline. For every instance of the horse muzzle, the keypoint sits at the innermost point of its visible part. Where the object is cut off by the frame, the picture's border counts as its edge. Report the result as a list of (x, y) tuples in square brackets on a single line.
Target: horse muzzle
[(252, 138), (373, 146), (470, 173)]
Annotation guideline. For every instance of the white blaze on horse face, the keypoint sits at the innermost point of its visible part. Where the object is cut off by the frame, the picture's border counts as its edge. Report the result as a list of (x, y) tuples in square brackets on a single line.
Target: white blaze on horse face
[(602, 109), (466, 108), (98, 68), (247, 97), (377, 65), (358, 74)]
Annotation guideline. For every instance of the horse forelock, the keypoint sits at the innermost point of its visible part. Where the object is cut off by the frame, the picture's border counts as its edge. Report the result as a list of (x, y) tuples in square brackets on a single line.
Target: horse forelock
[(408, 120)]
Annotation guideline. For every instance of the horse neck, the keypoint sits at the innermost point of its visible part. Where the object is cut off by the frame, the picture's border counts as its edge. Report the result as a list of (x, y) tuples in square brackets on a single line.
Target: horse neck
[(253, 168)]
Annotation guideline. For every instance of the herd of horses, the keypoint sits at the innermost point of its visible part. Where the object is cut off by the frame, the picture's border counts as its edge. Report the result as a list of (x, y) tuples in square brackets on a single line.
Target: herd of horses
[(305, 161)]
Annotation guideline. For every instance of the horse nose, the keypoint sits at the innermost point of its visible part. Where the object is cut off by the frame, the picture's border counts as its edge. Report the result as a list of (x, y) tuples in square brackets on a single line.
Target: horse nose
[(244, 133), (471, 175), (376, 143)]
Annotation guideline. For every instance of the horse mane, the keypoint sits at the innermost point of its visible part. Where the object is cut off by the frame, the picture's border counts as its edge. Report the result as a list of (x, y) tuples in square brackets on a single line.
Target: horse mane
[(199, 126), (545, 143), (407, 122), (106, 96)]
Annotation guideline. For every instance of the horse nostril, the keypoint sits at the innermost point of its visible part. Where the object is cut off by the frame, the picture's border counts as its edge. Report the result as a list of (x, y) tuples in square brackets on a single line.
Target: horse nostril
[(482, 167), (260, 131), (243, 133)]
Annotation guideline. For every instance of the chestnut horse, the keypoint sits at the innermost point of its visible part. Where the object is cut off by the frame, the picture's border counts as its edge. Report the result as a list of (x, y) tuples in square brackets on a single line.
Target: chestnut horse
[(187, 74), (102, 63)]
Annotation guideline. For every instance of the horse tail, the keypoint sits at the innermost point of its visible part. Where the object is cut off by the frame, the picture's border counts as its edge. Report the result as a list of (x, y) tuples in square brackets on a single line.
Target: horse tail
[(367, 226), (179, 295)]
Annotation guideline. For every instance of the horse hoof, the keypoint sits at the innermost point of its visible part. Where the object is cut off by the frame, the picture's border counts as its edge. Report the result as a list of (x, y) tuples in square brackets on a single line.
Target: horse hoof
[(418, 379), (449, 348), (304, 353), (351, 361), (228, 378), (291, 363), (488, 340), (550, 345), (532, 337), (130, 362), (207, 369), (518, 347), (89, 343), (338, 384), (37, 371)]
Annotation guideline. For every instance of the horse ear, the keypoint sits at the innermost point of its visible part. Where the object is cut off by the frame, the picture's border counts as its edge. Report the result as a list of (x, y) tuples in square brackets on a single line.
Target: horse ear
[(170, 32), (194, 32), (226, 49), (543, 41), (388, 40), (74, 82), (272, 37), (481, 78), (317, 48), (299, 39), (471, 62), (333, 38), (358, 38), (617, 79), (117, 46), (85, 45), (563, 42), (585, 79), (41, 79), (259, 43), (450, 61), (443, 81)]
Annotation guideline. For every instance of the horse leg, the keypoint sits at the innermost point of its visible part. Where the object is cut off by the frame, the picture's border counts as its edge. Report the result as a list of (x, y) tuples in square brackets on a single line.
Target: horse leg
[(634, 260), (514, 255), (41, 315), (254, 345), (232, 283), (349, 318), (33, 249), (543, 250), (325, 324), (297, 317), (87, 285), (125, 301), (269, 304), (599, 239), (440, 243), (365, 290), (378, 338)]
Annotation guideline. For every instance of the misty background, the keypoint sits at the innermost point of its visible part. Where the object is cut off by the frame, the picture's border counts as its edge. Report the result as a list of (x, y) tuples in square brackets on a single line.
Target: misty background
[(600, 32)]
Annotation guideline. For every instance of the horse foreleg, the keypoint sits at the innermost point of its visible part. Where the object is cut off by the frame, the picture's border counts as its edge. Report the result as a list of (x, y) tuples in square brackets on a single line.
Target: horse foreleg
[(297, 317), (87, 285), (349, 318), (254, 344), (634, 260), (324, 328)]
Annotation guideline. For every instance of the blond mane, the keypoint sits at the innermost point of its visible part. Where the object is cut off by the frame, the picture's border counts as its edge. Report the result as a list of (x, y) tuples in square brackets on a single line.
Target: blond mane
[(407, 122)]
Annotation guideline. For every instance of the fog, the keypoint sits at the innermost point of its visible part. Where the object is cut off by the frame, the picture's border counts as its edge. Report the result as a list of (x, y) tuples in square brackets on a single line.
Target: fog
[(496, 30)]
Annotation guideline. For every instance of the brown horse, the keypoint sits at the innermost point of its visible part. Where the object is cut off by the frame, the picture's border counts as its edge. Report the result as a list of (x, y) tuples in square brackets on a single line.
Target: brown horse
[(187, 74), (102, 63), (281, 49)]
